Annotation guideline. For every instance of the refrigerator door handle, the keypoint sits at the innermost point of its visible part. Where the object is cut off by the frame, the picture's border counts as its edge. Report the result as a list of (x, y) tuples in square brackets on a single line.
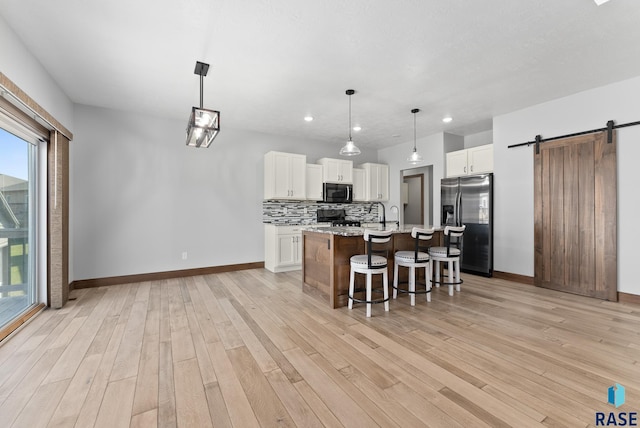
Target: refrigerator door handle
[(458, 208), (459, 202)]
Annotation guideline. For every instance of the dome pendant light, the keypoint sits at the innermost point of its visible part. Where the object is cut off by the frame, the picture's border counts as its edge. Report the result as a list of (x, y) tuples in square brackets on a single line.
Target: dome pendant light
[(350, 149), (415, 156)]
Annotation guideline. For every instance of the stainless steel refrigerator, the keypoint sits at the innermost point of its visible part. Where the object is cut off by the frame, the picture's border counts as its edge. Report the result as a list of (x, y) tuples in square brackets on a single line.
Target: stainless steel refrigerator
[(469, 201)]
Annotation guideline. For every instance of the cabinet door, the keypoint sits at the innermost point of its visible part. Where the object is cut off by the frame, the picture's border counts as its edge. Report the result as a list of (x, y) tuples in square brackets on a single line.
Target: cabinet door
[(371, 180), (281, 175), (287, 251), (330, 171), (457, 163), (345, 173), (284, 175), (378, 182), (298, 249), (336, 170), (480, 159), (298, 176), (314, 182), (359, 188), (383, 182)]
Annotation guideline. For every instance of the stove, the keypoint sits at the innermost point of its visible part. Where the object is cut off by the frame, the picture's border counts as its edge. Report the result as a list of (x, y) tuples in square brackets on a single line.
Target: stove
[(336, 218)]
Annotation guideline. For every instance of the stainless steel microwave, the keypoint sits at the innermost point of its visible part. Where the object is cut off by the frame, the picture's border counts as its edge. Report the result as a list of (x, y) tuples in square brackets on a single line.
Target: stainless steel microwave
[(337, 193)]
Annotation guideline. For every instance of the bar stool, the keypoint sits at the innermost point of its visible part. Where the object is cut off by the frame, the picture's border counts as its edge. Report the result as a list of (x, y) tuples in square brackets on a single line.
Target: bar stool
[(370, 264), (418, 258), (450, 253)]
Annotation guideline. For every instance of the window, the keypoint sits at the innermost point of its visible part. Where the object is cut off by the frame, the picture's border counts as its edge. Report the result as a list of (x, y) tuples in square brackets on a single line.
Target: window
[(18, 215)]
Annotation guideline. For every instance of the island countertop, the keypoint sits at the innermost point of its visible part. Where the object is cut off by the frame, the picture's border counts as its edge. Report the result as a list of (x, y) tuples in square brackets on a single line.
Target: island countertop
[(326, 254), (359, 231)]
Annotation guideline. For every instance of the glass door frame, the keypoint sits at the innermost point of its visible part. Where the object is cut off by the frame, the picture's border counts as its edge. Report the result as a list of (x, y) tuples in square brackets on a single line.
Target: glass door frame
[(36, 244)]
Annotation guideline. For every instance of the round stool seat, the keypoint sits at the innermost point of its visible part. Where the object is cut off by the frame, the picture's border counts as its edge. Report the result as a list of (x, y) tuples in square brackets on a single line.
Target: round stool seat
[(362, 260), (410, 257), (442, 252)]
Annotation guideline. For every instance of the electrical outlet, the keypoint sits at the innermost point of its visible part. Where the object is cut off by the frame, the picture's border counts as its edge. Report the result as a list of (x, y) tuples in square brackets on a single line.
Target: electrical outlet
[(184, 255)]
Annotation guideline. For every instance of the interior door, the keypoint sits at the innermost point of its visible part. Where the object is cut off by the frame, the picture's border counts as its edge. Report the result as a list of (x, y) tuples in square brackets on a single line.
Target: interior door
[(575, 229)]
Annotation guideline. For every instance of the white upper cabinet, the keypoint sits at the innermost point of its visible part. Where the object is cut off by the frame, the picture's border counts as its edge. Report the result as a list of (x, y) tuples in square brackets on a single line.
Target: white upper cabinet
[(476, 160), (359, 187), (336, 170), (285, 176), (457, 163), (314, 182), (480, 159), (376, 181)]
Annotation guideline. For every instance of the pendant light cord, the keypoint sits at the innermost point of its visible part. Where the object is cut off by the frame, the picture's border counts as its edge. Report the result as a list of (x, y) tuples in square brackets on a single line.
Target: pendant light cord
[(350, 117), (414, 111), (201, 90)]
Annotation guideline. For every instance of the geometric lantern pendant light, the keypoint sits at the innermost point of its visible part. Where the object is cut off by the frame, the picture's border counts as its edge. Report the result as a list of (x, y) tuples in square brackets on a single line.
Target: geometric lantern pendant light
[(350, 149), (415, 157), (203, 124)]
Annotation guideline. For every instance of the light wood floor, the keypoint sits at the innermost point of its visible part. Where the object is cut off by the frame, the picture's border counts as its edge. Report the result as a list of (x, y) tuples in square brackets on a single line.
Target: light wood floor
[(249, 349)]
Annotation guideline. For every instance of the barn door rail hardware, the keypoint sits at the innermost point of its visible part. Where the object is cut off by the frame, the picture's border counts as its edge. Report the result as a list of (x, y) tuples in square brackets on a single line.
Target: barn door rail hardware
[(609, 128)]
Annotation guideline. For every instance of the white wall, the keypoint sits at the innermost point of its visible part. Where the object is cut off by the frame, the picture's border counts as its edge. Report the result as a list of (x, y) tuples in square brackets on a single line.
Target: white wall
[(432, 150), (18, 65), (140, 197), (25, 71), (478, 139), (513, 170)]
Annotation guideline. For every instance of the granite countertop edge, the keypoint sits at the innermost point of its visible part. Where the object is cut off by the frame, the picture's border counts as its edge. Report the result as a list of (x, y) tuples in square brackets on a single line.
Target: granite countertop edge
[(359, 231)]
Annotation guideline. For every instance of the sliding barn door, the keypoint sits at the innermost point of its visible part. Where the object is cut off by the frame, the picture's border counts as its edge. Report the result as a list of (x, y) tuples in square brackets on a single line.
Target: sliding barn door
[(575, 216)]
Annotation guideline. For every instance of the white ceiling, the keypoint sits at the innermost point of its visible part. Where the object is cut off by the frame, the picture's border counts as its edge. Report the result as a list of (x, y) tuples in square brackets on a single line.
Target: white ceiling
[(275, 61)]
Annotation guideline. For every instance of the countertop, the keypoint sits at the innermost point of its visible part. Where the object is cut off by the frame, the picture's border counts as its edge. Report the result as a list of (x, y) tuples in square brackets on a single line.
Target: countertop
[(359, 231)]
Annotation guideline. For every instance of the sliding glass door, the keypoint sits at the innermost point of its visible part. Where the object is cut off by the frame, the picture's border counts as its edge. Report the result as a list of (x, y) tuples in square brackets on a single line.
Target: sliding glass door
[(18, 179)]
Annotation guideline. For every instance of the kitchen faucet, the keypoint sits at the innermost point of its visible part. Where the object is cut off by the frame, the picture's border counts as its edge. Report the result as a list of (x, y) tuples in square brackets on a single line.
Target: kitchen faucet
[(384, 218)]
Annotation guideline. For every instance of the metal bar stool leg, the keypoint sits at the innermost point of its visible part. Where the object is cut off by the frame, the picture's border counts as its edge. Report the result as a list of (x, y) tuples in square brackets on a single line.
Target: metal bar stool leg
[(412, 285), (385, 291), (369, 294), (352, 283), (395, 280), (428, 280), (450, 275)]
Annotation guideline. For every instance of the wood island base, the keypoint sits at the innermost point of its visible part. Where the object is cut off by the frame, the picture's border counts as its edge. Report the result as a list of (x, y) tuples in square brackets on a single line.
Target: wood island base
[(326, 269)]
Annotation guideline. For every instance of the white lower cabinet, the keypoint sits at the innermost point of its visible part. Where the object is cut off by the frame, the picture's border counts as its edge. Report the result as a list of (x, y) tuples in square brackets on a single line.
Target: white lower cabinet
[(282, 248)]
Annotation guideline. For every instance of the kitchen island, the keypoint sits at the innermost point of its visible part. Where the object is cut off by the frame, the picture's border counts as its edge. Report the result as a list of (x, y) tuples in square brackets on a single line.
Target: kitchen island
[(326, 254)]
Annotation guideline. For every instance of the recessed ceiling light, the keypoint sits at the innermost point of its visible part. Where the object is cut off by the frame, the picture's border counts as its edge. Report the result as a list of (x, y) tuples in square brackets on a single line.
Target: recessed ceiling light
[(357, 128), (599, 2), (308, 118), (447, 119)]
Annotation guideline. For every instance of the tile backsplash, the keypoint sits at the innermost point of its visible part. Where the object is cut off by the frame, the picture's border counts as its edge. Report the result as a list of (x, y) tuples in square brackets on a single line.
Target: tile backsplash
[(301, 212)]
